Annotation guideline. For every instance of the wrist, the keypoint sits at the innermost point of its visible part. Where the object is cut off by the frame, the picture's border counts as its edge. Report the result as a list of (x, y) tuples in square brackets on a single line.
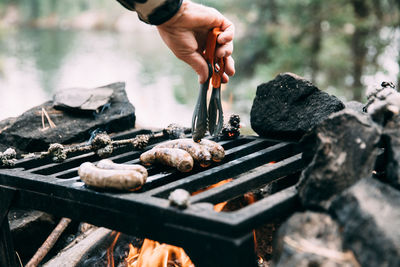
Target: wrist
[(178, 15)]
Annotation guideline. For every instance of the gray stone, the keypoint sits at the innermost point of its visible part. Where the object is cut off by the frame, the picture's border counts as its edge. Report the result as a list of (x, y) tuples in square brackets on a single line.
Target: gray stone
[(355, 105), (311, 239), (383, 103), (369, 214), (391, 143), (92, 99), (288, 106), (341, 150), (26, 132)]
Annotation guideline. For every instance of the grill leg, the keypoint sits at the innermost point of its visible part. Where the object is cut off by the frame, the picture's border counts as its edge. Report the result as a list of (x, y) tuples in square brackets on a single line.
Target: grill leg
[(7, 254)]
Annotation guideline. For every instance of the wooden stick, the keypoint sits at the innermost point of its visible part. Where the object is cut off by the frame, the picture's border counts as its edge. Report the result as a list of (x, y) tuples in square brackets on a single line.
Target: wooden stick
[(51, 123), (49, 243), (43, 125)]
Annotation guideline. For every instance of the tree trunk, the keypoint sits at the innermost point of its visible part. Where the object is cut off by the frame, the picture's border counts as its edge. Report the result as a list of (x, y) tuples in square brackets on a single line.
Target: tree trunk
[(273, 9), (316, 39), (35, 9), (358, 46), (359, 53)]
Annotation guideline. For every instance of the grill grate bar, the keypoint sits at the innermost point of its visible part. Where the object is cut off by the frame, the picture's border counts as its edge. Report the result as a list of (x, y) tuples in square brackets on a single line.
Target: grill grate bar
[(227, 170), (276, 205), (250, 180)]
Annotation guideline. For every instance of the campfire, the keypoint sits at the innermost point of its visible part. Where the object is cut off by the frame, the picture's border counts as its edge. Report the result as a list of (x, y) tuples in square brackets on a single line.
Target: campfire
[(255, 207)]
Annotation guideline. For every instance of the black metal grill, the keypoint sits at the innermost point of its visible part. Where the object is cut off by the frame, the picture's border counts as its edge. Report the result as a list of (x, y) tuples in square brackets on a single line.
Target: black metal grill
[(210, 238)]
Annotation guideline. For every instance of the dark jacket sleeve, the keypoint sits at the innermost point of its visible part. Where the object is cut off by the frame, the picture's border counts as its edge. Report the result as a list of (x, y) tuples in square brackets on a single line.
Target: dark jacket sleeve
[(153, 12)]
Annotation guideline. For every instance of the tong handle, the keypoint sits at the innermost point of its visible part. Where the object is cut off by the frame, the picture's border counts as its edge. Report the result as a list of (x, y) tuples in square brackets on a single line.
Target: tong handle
[(199, 119), (215, 114), (218, 65)]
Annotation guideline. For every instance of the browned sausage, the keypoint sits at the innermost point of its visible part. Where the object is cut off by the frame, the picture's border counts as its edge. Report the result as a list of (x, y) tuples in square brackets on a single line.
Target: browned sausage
[(116, 179), (199, 153), (216, 150), (148, 158), (173, 157), (110, 165)]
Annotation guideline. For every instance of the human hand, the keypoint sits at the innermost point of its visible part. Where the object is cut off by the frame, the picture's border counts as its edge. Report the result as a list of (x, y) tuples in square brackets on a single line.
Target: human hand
[(186, 35)]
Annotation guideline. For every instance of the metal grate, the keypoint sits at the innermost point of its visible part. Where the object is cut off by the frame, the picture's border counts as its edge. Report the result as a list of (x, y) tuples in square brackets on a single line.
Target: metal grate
[(210, 238)]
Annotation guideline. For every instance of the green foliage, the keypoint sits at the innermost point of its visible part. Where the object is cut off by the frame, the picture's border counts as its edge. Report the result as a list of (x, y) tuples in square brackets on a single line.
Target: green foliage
[(329, 42)]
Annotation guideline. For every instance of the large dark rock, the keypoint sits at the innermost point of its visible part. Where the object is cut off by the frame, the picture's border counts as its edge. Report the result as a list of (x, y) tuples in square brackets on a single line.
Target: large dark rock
[(341, 150), (26, 132), (391, 143), (369, 214), (311, 239), (288, 106)]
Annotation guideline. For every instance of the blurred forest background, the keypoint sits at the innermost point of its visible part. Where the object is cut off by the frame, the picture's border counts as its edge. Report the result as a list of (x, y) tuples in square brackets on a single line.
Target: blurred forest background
[(342, 46)]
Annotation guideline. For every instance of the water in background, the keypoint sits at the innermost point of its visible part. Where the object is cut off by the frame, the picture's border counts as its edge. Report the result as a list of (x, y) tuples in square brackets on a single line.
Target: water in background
[(34, 63)]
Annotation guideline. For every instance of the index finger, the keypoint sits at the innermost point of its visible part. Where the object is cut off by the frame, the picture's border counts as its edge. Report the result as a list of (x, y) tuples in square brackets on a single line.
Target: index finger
[(228, 32)]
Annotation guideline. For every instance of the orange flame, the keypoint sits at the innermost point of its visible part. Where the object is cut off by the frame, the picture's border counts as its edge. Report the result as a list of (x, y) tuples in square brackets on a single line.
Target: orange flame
[(110, 250), (153, 253), (218, 207), (212, 186)]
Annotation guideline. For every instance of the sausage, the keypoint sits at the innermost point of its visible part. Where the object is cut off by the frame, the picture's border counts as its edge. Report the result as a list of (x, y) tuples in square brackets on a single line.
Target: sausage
[(199, 153), (216, 150), (116, 179), (148, 158), (108, 164), (173, 157)]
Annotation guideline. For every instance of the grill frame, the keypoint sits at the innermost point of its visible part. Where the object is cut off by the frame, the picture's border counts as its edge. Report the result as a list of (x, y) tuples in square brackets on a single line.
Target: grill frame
[(209, 238)]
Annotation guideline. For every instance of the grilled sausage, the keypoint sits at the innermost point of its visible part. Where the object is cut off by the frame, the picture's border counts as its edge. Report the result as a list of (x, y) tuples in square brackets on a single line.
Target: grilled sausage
[(216, 150), (173, 157), (108, 164), (199, 153), (116, 179)]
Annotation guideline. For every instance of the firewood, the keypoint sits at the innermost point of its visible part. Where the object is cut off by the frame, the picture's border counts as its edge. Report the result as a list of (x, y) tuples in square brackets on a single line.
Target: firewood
[(49, 243)]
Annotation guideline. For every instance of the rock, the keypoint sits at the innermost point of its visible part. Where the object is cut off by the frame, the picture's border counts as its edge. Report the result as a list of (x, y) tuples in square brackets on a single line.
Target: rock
[(341, 150), (355, 105), (288, 106), (391, 141), (383, 103), (310, 239), (369, 213), (29, 229), (82, 99), (26, 133)]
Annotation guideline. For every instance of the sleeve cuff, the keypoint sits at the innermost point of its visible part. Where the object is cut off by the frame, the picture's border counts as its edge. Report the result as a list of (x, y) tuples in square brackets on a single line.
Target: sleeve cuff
[(164, 12)]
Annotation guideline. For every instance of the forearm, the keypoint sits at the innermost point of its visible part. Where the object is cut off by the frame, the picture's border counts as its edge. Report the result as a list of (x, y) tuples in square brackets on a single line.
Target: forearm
[(153, 12)]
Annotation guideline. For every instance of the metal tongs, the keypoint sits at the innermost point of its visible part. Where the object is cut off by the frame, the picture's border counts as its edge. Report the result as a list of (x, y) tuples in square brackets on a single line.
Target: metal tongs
[(214, 118)]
